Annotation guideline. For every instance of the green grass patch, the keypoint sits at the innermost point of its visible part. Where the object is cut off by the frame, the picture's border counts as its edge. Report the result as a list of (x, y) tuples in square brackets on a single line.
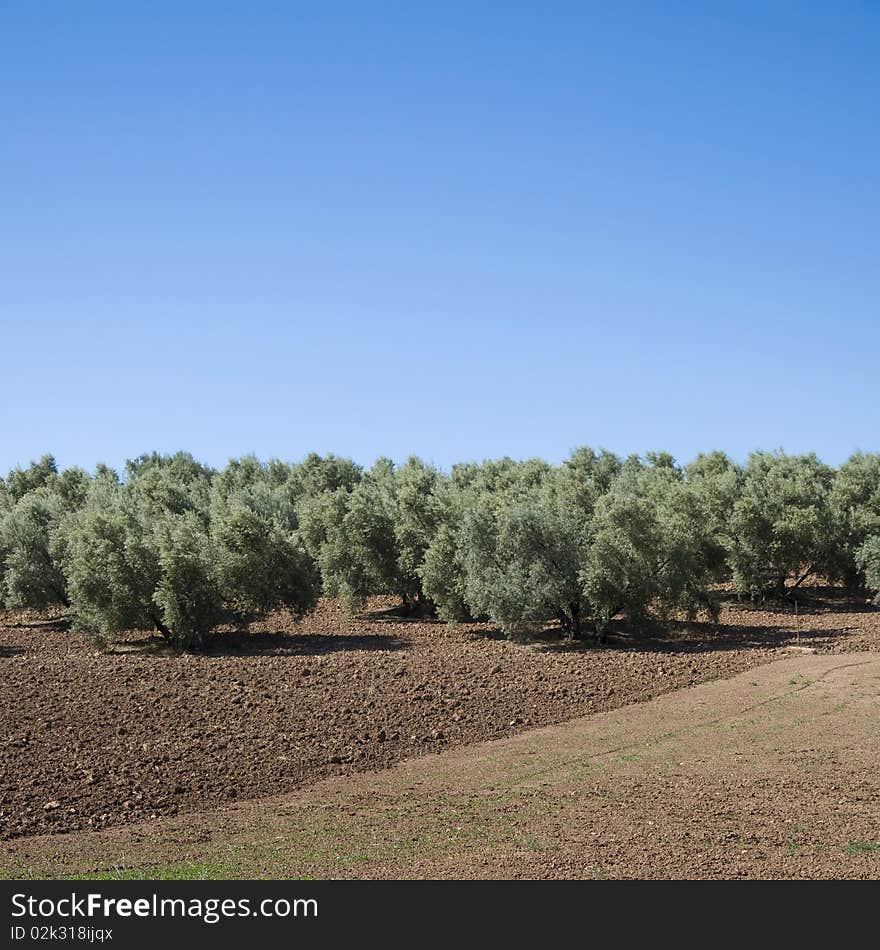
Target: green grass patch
[(862, 847)]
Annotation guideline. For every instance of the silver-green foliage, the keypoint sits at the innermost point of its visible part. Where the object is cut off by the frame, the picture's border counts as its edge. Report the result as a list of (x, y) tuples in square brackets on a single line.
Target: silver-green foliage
[(855, 509), (110, 563), (31, 575), (128, 566), (188, 592), (20, 481), (868, 561), (442, 571), (261, 562), (169, 556), (649, 550), (371, 538), (716, 480), (530, 543), (524, 539), (170, 483), (781, 523), (457, 559), (177, 546), (35, 502), (513, 540), (320, 473), (522, 561)]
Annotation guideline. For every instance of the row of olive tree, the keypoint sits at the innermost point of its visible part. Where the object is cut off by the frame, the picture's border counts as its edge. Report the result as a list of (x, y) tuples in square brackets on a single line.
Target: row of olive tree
[(170, 545), (175, 545), (523, 543)]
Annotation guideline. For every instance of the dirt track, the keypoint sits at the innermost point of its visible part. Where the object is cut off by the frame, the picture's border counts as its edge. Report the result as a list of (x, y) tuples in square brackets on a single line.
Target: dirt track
[(771, 774)]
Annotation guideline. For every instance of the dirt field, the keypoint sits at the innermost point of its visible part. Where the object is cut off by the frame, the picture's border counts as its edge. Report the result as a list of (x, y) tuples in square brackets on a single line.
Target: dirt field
[(771, 774), (133, 739)]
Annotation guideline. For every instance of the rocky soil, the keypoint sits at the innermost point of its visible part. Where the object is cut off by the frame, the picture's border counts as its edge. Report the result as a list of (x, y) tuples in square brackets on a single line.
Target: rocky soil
[(93, 739)]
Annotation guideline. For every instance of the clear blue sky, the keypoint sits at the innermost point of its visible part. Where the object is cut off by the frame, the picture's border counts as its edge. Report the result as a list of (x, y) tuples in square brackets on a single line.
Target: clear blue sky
[(455, 229)]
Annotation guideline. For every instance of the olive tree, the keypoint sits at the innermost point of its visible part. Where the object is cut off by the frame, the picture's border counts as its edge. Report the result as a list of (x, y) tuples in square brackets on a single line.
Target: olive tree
[(868, 560), (245, 472), (781, 524), (255, 517), (650, 552), (188, 594), (261, 561), (511, 538), (20, 481), (855, 510), (442, 570), (117, 553), (417, 518), (31, 575), (317, 474), (131, 564), (312, 476), (110, 564), (371, 539), (524, 537), (170, 483), (522, 561), (470, 485), (715, 478), (41, 499)]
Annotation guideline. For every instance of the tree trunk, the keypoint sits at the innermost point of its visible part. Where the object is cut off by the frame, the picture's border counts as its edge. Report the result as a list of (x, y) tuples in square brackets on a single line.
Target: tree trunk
[(162, 628), (575, 621), (854, 581), (802, 578)]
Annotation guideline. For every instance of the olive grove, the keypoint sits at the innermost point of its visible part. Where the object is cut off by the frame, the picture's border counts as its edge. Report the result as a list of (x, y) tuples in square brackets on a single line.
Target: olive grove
[(176, 546)]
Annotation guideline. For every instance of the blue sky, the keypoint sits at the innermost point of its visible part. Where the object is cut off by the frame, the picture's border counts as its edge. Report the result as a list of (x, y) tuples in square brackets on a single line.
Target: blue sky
[(460, 230)]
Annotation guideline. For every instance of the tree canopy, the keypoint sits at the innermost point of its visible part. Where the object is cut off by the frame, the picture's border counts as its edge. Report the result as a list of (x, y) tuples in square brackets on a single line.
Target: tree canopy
[(177, 546)]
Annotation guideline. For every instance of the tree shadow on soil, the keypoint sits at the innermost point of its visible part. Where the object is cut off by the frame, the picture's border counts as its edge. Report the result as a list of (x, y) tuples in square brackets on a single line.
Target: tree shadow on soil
[(707, 637), (496, 633), (6, 651), (306, 644), (264, 643), (398, 615), (675, 637), (56, 623), (680, 636), (807, 601)]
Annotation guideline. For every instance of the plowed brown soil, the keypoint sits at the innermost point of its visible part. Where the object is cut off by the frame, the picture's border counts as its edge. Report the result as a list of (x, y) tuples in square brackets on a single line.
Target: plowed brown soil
[(92, 739), (771, 774)]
